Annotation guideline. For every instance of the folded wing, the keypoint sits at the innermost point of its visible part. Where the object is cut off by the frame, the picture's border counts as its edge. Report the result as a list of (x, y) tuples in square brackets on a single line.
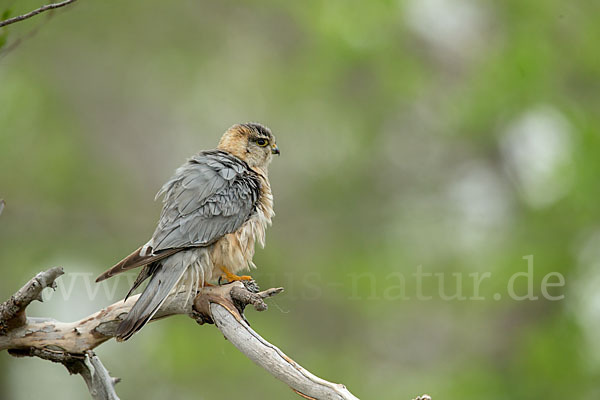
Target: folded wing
[(211, 195)]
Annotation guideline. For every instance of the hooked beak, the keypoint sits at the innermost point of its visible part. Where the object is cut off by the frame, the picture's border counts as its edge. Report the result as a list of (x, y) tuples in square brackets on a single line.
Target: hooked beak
[(275, 150)]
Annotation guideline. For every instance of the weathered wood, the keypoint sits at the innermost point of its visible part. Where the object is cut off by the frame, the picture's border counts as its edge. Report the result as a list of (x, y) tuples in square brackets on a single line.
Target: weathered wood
[(70, 343), (12, 311), (16, 327), (99, 382), (269, 357), (85, 334)]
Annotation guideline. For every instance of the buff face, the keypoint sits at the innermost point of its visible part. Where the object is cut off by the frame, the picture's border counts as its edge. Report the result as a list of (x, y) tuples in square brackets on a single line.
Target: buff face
[(253, 143)]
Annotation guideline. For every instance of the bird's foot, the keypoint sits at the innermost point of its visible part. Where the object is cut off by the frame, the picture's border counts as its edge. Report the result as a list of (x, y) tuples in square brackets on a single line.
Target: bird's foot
[(233, 277)]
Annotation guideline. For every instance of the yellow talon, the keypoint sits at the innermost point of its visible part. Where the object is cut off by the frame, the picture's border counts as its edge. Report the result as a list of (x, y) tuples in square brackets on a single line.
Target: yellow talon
[(233, 277)]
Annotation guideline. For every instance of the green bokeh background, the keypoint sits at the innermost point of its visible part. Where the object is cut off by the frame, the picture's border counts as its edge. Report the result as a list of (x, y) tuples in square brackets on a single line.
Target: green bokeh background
[(457, 136)]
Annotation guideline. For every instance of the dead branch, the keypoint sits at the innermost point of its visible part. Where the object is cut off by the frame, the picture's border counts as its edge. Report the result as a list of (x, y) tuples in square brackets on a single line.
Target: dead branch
[(71, 343), (35, 12), (269, 357), (12, 311), (14, 323), (99, 382)]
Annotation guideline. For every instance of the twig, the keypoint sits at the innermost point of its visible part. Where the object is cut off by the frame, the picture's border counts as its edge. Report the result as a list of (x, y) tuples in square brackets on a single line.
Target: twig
[(12, 311), (99, 382), (35, 12)]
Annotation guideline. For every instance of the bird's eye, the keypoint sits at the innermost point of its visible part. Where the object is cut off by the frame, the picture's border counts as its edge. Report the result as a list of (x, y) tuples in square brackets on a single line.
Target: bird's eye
[(262, 142)]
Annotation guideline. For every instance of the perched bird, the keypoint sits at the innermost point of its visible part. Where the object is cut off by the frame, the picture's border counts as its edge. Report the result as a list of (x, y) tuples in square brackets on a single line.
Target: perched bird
[(216, 207)]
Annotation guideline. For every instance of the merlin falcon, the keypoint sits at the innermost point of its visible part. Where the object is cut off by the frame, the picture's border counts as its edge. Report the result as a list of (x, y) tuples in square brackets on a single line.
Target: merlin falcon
[(215, 208)]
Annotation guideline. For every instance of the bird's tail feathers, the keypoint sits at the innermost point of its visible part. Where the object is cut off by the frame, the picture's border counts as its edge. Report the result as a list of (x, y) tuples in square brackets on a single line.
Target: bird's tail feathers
[(164, 278), (146, 272)]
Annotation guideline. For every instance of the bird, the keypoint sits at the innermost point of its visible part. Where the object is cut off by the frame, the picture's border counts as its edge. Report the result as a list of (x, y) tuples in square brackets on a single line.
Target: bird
[(216, 207)]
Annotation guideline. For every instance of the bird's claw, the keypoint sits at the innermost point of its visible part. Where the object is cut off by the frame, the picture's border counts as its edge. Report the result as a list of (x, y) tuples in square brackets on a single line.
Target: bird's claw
[(232, 277)]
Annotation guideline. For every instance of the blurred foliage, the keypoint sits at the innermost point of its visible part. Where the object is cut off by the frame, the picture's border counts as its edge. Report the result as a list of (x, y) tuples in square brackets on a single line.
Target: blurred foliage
[(456, 135)]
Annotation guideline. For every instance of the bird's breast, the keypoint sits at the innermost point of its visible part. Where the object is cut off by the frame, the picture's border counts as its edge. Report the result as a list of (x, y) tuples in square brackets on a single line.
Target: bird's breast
[(236, 250)]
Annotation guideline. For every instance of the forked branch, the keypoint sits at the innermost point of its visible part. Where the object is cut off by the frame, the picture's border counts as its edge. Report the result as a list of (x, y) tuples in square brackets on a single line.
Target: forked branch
[(71, 343)]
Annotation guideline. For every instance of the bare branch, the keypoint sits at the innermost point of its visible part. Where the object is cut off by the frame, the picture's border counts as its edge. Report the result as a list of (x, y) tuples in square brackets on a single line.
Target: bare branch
[(12, 311), (99, 382), (269, 357), (71, 343), (85, 334), (35, 12), (226, 308)]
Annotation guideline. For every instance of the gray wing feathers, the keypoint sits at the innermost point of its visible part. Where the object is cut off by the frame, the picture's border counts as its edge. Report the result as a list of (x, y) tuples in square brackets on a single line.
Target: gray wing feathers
[(211, 195)]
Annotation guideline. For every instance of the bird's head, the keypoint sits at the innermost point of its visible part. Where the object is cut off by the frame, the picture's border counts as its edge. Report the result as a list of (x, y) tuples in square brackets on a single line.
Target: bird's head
[(251, 142)]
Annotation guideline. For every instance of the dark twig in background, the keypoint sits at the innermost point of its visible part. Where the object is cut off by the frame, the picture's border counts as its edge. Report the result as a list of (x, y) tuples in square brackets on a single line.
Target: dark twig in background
[(35, 12)]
